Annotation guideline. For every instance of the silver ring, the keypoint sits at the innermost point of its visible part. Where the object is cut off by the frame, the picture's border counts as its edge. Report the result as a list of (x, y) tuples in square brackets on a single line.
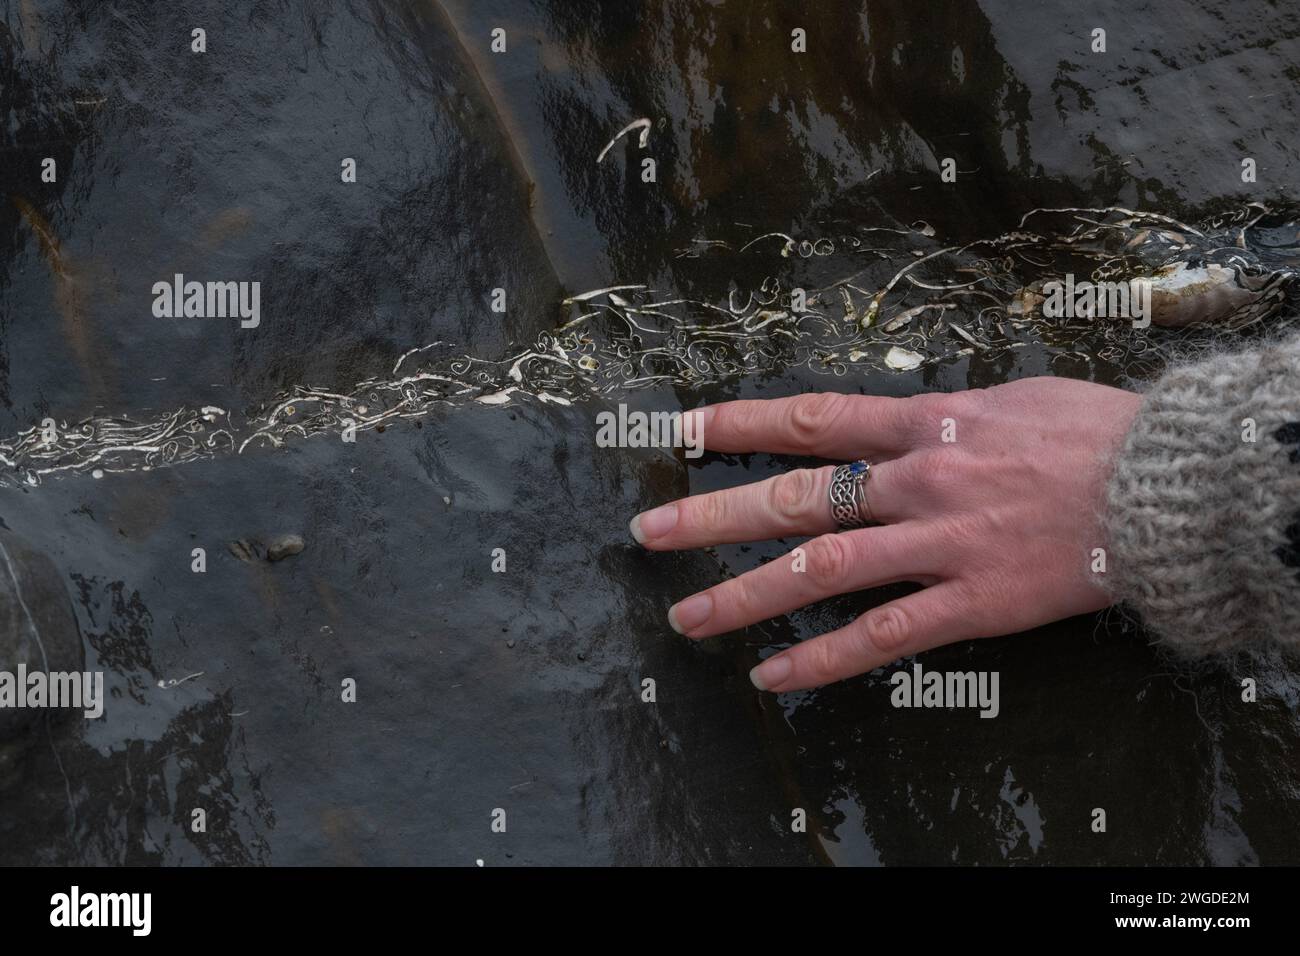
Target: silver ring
[(848, 495)]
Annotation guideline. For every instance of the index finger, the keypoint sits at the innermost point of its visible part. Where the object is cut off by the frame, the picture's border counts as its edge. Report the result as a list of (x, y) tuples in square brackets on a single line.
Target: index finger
[(818, 424)]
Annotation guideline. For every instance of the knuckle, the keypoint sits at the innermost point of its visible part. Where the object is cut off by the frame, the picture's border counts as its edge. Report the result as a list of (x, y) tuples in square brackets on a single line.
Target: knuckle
[(821, 661), (885, 631), (941, 469), (957, 404), (743, 418), (734, 600), (933, 411), (790, 494), (828, 561), (733, 420), (707, 511), (811, 415)]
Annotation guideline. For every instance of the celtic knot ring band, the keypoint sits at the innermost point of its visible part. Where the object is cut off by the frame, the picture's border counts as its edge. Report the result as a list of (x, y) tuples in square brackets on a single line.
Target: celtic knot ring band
[(848, 495)]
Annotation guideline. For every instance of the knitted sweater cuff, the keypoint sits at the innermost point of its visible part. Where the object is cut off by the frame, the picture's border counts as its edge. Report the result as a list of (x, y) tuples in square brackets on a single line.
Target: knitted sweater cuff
[(1203, 507)]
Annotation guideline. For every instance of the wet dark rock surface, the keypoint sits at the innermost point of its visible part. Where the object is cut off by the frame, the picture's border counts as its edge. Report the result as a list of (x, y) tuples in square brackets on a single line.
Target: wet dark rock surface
[(521, 689), (38, 633)]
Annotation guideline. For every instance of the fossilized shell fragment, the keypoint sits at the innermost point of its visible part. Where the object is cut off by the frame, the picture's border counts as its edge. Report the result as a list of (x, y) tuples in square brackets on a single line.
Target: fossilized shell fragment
[(1202, 295), (903, 360)]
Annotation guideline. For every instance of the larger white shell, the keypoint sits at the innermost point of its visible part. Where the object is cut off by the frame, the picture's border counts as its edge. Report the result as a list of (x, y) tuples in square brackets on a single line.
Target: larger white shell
[(1181, 295), (903, 360)]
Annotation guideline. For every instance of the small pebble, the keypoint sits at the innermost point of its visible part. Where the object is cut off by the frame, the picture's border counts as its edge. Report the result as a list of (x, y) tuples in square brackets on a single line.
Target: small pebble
[(510, 643), (284, 546)]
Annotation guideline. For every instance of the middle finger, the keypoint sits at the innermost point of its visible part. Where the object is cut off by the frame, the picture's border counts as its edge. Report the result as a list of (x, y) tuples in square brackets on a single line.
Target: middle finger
[(825, 566)]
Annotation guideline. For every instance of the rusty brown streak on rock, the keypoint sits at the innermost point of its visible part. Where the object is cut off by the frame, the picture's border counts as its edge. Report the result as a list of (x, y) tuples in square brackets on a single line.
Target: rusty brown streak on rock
[(67, 297)]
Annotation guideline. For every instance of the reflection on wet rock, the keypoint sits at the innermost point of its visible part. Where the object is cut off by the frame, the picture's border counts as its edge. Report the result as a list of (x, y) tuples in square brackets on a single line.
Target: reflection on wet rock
[(38, 636)]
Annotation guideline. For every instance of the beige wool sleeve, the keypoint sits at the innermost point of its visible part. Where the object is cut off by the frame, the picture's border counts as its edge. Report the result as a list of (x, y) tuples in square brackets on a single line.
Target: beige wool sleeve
[(1203, 523)]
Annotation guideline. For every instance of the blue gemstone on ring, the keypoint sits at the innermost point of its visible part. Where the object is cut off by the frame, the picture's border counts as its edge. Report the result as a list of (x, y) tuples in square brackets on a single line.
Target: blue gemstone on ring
[(857, 467)]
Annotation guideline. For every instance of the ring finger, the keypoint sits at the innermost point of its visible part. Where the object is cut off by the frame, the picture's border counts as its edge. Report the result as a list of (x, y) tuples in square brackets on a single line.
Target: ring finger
[(793, 503)]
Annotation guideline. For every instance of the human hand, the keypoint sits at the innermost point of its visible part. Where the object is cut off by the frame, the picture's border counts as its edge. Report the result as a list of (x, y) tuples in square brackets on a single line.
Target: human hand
[(998, 523)]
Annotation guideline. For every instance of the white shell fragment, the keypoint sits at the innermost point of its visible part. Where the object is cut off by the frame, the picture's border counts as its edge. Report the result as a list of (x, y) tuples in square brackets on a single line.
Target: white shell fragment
[(903, 360), (496, 398), (900, 320), (643, 123), (1183, 295), (585, 296), (962, 333)]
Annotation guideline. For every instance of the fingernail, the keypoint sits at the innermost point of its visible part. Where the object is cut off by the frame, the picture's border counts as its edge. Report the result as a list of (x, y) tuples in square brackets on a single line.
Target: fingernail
[(773, 672), (691, 613), (654, 523)]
